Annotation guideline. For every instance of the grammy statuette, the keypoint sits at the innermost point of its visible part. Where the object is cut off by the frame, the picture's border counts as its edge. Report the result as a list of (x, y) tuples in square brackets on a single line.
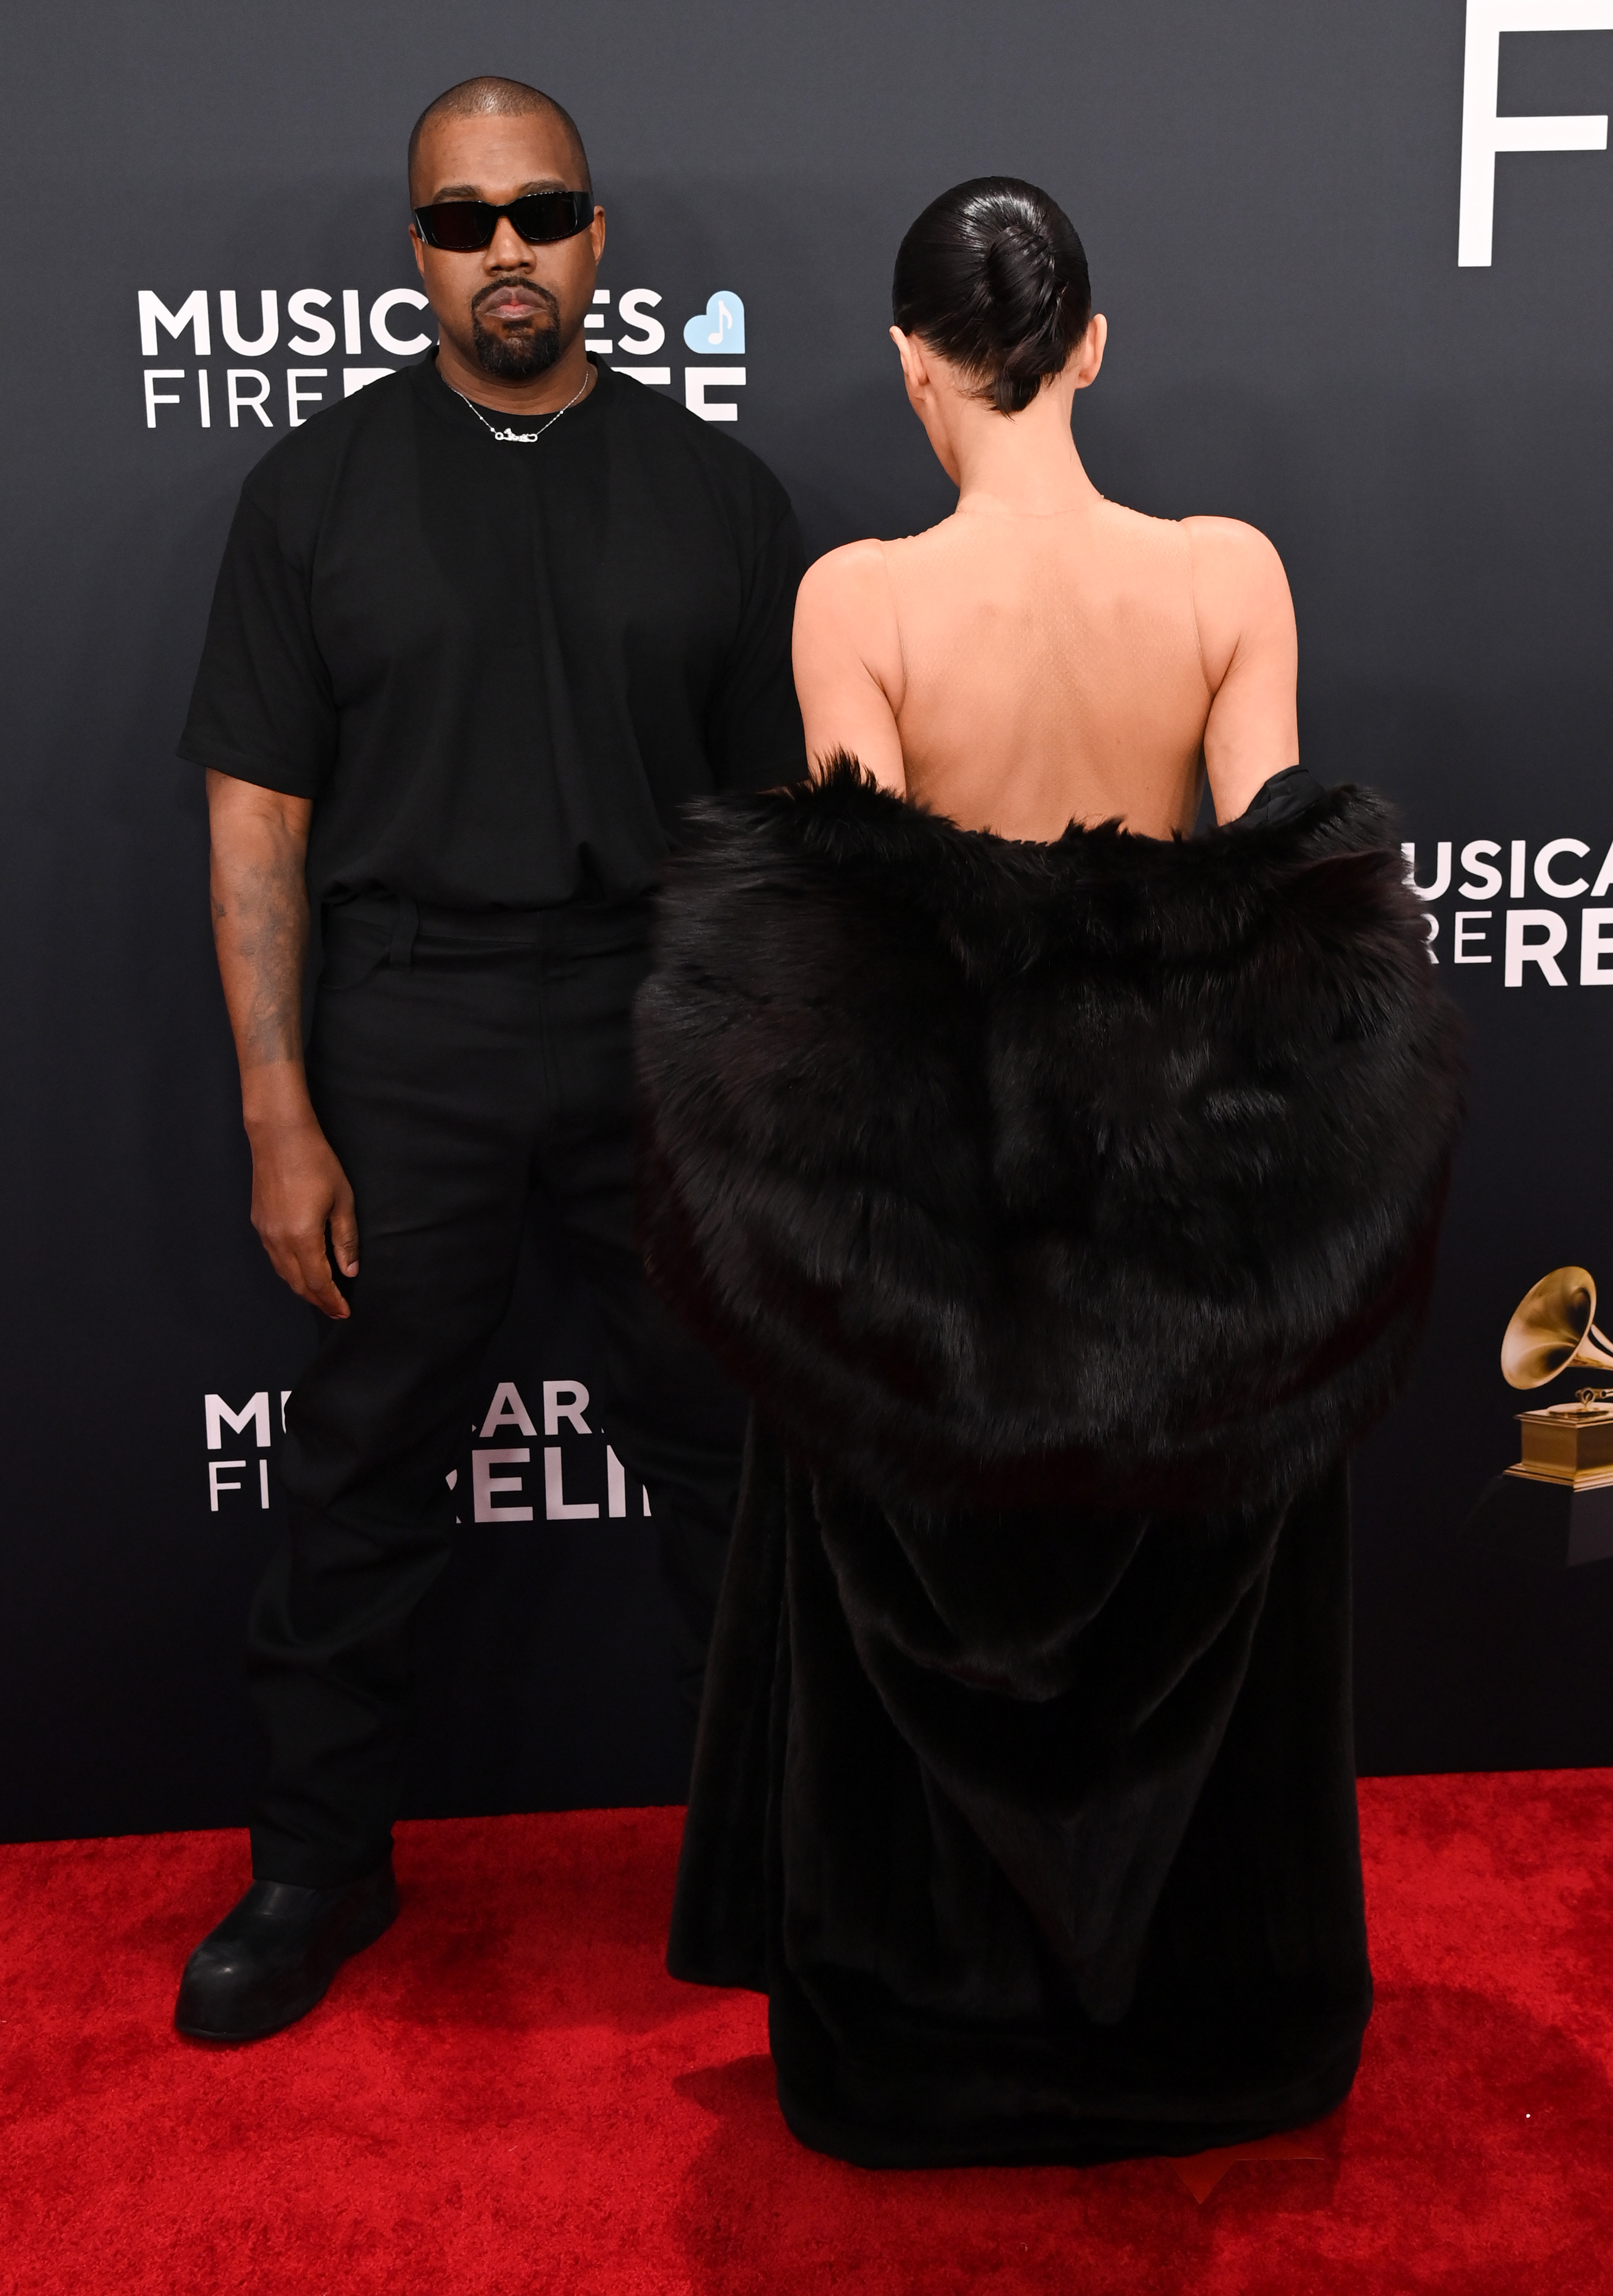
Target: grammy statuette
[(1553, 1330)]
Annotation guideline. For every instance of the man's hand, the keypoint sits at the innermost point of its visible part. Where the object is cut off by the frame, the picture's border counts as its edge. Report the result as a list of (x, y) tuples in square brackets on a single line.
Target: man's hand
[(259, 892), (299, 1188)]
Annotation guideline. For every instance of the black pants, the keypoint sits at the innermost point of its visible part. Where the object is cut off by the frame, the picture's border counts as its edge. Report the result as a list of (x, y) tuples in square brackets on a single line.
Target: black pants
[(458, 1064)]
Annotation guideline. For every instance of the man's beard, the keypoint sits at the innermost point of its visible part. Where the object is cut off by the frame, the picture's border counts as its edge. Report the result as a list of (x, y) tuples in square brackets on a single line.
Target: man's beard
[(517, 358)]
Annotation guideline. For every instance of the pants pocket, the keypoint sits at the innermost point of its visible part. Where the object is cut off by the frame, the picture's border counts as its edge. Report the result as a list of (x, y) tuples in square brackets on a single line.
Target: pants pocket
[(354, 947)]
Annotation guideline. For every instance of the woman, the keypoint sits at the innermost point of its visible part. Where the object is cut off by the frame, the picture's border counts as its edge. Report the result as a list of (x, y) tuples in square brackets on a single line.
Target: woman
[(1064, 1188)]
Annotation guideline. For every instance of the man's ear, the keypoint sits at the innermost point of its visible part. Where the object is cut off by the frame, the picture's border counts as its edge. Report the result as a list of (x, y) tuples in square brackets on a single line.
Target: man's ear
[(417, 246)]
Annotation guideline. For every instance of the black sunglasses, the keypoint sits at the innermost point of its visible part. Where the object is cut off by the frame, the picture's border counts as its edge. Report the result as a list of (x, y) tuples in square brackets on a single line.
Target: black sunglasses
[(464, 226)]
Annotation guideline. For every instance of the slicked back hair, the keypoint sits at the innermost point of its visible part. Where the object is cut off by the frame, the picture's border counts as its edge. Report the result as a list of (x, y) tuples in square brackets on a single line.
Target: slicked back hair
[(490, 94), (993, 276)]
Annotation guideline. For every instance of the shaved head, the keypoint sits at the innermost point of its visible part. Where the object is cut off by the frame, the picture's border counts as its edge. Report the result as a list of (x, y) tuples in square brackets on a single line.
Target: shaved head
[(490, 95)]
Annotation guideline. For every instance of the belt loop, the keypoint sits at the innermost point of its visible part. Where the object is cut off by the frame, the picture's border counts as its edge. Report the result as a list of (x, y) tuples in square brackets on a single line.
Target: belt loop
[(405, 926)]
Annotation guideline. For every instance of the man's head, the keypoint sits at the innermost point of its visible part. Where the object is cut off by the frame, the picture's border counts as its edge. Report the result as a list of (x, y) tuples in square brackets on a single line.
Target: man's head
[(511, 309)]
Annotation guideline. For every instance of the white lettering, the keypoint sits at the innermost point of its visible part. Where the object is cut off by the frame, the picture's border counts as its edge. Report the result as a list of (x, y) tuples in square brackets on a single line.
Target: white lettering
[(1543, 952), (562, 1398), (647, 335), (263, 1484), (1432, 922), (698, 380), (487, 1488), (615, 1483), (154, 398), (219, 1417), (1441, 871), (205, 396), (1543, 869), (1515, 886), (321, 335), (555, 1506), (191, 314), (1484, 135), (1604, 878), (217, 1469), (354, 378), (352, 333), (1477, 866), (1595, 944), (1463, 940), (381, 309), (507, 1410), (268, 314), (285, 1397), (257, 404), (297, 399)]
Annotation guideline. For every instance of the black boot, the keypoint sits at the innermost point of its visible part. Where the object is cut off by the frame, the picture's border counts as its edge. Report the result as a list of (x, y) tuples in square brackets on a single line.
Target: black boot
[(274, 1956)]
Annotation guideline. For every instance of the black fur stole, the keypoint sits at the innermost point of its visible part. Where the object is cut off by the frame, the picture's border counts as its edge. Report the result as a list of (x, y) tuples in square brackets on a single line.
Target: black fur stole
[(1102, 1173)]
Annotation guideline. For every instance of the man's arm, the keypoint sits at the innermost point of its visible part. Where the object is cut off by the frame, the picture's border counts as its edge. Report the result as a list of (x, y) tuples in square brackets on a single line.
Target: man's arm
[(1251, 659), (260, 930), (753, 724)]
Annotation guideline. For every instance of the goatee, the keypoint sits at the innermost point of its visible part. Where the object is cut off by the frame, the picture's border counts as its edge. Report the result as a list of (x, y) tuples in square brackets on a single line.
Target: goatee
[(516, 358)]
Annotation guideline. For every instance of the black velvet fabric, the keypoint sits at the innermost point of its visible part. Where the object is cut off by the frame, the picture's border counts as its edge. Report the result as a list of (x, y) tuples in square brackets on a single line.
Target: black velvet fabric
[(1068, 1211)]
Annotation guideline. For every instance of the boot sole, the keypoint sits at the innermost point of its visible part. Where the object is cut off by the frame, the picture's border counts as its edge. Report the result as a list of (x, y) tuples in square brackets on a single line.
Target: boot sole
[(367, 1926)]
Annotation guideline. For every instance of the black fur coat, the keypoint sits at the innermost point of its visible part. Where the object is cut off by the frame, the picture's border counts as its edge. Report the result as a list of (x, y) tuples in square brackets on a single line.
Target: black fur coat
[(1067, 1211)]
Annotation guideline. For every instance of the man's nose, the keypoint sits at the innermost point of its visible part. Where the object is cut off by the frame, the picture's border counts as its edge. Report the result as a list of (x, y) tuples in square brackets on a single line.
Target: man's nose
[(507, 249)]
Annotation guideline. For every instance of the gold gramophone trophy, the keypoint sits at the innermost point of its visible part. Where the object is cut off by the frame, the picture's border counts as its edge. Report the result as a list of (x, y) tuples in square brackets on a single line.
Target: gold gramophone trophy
[(1553, 1330)]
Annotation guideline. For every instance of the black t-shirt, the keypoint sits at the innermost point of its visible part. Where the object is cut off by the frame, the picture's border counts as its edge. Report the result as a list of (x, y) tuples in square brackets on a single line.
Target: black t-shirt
[(499, 669)]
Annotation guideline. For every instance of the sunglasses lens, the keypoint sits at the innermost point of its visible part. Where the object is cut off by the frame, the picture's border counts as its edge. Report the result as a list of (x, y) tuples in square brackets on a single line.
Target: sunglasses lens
[(458, 224), (543, 216), (462, 225)]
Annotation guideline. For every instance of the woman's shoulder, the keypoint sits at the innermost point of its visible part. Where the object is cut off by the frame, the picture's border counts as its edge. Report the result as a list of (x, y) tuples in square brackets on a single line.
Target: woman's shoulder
[(863, 569), (854, 568), (1232, 548), (847, 589)]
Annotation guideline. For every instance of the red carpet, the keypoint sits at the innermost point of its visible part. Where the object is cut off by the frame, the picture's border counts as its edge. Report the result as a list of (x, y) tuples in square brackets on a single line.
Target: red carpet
[(508, 2095)]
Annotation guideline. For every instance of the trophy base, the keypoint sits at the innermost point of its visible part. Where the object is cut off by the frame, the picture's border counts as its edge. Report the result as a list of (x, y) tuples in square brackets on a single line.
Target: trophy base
[(1582, 1512), (1570, 1478)]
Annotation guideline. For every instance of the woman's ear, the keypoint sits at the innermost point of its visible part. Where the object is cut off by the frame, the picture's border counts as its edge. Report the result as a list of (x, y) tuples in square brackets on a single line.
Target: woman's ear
[(1089, 356), (914, 367)]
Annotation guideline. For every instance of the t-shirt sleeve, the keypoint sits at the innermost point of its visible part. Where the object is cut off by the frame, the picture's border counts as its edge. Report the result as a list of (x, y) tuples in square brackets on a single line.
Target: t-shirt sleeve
[(754, 730), (261, 710)]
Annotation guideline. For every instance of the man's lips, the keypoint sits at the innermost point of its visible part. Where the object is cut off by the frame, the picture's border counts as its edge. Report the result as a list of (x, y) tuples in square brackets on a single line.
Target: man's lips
[(511, 303)]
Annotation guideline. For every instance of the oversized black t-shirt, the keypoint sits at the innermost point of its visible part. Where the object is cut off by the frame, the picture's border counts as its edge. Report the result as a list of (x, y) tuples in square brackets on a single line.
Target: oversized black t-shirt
[(499, 671)]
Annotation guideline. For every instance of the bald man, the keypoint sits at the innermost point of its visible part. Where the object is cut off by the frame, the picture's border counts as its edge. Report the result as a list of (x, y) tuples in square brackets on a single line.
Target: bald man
[(479, 633)]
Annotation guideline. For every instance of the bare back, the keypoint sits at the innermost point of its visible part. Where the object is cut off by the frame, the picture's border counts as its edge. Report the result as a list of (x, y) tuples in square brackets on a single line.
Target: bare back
[(1051, 670), (1019, 670)]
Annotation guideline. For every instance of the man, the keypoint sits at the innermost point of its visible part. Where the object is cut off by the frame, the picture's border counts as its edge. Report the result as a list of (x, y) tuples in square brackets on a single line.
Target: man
[(479, 633)]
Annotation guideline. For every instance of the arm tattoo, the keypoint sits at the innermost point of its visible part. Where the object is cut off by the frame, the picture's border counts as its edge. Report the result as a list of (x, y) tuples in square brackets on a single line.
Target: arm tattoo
[(260, 927)]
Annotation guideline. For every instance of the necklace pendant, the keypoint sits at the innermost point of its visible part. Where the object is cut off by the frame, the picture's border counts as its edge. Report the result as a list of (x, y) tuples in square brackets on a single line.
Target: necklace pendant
[(508, 437)]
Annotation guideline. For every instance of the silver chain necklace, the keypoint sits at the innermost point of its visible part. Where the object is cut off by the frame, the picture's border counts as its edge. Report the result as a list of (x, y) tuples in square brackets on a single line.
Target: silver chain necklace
[(525, 438)]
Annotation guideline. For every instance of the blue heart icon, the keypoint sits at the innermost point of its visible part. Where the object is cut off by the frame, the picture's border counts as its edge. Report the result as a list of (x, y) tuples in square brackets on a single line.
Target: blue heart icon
[(719, 327)]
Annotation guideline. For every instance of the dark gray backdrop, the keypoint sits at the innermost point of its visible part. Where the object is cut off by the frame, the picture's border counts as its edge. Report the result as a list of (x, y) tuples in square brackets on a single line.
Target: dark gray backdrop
[(1269, 197)]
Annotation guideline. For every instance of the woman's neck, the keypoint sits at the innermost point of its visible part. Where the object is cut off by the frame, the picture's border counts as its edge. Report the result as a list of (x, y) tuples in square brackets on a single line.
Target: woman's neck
[(1024, 463)]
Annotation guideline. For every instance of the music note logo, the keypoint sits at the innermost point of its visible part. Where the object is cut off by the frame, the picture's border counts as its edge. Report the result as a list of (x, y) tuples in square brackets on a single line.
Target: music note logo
[(719, 327)]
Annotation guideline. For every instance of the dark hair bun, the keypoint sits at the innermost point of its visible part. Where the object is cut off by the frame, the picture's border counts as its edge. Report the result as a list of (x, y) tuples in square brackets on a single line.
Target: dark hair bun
[(994, 277)]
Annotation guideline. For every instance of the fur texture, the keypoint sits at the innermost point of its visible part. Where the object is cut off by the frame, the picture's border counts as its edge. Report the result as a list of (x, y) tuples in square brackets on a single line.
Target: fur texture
[(1106, 1172), (1068, 1211)]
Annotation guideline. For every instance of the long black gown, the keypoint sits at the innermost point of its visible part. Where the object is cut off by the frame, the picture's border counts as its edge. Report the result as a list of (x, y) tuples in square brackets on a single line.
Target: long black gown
[(1068, 1211)]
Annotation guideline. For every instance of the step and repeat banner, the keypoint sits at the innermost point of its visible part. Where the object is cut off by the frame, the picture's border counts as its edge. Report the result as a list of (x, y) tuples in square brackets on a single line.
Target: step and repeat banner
[(1357, 260)]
